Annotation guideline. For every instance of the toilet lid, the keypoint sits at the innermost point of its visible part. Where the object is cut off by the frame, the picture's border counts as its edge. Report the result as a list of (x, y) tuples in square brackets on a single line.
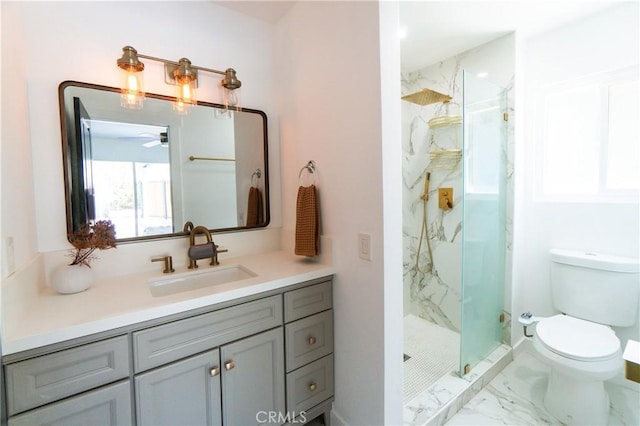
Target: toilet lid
[(577, 339)]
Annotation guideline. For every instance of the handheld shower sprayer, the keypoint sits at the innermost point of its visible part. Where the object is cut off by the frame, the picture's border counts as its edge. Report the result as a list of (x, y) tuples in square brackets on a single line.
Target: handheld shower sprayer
[(424, 233), (425, 193)]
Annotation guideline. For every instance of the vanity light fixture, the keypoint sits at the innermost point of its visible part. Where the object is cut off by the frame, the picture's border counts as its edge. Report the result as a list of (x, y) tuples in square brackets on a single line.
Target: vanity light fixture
[(182, 74), (186, 81), (132, 81)]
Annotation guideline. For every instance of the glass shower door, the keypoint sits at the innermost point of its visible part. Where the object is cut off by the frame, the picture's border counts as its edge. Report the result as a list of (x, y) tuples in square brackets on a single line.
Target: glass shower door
[(484, 207)]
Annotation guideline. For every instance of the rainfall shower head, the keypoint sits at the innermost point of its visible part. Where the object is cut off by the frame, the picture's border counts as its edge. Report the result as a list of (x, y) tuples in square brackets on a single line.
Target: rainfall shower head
[(426, 97)]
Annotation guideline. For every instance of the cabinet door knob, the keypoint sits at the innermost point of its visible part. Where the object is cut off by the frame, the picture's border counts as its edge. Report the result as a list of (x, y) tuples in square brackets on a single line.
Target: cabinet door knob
[(214, 371), (229, 365), (312, 386), (312, 340)]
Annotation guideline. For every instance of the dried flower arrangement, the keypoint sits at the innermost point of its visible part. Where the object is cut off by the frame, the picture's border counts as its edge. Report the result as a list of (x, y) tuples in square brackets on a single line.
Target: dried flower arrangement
[(101, 235)]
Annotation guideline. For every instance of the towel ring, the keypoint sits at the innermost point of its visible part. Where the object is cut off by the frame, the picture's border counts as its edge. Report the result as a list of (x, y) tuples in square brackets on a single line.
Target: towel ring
[(310, 167), (257, 174)]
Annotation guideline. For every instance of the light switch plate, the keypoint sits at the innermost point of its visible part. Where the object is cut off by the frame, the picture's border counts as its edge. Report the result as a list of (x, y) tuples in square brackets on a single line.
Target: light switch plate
[(364, 246)]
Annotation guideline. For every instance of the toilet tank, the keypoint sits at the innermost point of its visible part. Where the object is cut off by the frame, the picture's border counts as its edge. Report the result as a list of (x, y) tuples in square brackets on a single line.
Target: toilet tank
[(595, 287)]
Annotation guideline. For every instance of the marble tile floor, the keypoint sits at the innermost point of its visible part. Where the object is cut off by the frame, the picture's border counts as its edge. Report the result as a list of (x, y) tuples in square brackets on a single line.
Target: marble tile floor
[(514, 397)]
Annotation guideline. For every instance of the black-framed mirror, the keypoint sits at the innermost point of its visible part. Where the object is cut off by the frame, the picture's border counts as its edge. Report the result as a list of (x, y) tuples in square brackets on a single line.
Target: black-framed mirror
[(151, 170)]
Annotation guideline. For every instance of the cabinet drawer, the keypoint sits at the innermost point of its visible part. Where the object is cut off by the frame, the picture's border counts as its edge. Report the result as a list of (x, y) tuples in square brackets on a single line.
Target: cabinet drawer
[(106, 406), (170, 342), (48, 378), (310, 385), (307, 301), (309, 339), (51, 377)]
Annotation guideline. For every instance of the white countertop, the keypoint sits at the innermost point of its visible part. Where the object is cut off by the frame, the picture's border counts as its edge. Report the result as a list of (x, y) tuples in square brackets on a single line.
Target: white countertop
[(42, 316)]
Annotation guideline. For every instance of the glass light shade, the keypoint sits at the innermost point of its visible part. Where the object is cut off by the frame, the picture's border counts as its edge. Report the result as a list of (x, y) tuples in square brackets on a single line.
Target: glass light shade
[(185, 94), (231, 98), (132, 95)]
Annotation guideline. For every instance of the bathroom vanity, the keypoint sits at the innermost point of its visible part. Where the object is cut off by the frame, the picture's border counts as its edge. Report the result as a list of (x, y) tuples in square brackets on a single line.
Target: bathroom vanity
[(254, 351)]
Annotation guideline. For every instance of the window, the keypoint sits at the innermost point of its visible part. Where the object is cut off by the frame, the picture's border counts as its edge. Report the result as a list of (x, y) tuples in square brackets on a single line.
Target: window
[(590, 138), (136, 197)]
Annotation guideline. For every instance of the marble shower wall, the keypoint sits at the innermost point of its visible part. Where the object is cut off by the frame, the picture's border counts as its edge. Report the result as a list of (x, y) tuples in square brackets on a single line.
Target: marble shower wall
[(433, 290)]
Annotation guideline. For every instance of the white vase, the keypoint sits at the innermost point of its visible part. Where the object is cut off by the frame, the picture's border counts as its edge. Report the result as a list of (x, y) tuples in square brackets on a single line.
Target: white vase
[(68, 279)]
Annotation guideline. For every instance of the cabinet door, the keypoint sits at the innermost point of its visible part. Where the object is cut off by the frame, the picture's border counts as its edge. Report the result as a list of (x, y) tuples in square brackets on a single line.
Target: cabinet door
[(107, 406), (253, 378), (183, 393)]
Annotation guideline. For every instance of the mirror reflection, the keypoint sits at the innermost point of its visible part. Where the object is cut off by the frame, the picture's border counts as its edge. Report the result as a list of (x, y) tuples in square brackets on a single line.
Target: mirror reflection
[(151, 170)]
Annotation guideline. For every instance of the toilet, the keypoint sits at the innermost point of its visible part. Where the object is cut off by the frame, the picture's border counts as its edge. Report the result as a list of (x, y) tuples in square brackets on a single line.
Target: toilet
[(593, 292)]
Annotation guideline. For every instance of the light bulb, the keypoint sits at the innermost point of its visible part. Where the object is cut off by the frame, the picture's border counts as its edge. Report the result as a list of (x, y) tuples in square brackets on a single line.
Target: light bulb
[(231, 98), (180, 107), (132, 93), (186, 94), (186, 80)]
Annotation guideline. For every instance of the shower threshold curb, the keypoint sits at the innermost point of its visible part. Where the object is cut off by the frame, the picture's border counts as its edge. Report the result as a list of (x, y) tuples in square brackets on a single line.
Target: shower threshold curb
[(439, 403)]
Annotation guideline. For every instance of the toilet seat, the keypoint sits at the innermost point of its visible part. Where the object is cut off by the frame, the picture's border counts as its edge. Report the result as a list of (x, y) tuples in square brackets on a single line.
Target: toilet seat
[(577, 339)]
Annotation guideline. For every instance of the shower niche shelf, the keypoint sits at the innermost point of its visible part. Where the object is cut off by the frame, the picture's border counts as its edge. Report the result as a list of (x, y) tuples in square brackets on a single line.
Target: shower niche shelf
[(444, 121), (445, 159)]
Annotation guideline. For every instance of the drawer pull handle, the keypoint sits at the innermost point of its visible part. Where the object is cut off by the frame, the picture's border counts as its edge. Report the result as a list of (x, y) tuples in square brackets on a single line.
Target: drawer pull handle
[(229, 365), (214, 371), (312, 386), (312, 341)]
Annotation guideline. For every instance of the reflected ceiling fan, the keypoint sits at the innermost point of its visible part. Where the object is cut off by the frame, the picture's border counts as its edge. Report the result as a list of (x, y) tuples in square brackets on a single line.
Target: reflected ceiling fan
[(149, 140), (161, 139), (145, 134)]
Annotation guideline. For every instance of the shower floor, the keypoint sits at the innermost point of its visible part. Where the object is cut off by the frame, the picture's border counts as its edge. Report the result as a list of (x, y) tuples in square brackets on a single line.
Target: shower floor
[(433, 352)]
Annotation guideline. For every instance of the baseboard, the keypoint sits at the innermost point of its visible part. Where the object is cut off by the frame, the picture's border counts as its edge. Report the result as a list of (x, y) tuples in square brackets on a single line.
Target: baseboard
[(523, 345), (336, 419)]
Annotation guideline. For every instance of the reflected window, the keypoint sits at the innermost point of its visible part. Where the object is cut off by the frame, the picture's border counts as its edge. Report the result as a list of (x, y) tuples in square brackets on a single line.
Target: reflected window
[(132, 178), (484, 148)]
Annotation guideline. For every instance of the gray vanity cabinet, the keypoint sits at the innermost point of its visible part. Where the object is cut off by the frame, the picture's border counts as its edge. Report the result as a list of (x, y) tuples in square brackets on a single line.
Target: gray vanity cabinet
[(186, 392), (202, 391), (106, 406), (84, 375), (265, 359), (308, 318), (253, 378), (241, 374)]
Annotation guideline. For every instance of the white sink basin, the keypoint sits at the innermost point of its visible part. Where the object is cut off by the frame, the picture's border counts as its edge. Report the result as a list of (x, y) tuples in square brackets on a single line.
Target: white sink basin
[(200, 279)]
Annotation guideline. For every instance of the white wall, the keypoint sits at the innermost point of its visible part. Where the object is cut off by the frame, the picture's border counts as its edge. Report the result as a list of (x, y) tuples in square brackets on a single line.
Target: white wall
[(18, 211), (2, 266), (328, 56), (392, 213), (45, 43), (607, 41)]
